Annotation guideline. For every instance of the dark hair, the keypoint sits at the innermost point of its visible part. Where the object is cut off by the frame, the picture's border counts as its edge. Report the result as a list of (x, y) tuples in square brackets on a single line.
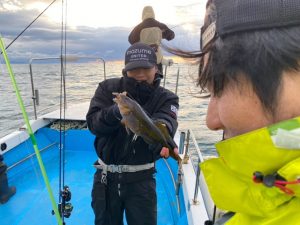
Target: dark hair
[(261, 56)]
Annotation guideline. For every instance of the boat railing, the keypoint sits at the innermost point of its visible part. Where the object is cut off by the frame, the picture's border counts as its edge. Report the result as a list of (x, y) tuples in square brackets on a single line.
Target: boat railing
[(191, 137), (167, 77), (30, 156), (168, 80), (192, 153), (69, 58)]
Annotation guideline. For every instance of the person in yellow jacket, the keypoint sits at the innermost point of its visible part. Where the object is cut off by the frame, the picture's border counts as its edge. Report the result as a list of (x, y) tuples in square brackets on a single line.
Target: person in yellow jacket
[(250, 64)]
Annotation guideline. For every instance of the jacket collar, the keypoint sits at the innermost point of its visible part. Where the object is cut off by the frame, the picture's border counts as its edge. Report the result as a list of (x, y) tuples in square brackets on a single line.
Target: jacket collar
[(229, 177)]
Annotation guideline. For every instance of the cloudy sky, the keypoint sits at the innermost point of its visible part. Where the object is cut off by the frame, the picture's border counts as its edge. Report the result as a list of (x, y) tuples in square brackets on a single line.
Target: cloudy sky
[(94, 27)]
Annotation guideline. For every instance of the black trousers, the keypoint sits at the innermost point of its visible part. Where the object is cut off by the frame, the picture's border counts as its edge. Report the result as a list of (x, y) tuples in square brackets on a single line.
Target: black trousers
[(3, 179), (137, 199)]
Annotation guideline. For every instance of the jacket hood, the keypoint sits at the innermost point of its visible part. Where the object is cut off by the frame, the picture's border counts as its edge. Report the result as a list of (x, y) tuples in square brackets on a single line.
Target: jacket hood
[(148, 12)]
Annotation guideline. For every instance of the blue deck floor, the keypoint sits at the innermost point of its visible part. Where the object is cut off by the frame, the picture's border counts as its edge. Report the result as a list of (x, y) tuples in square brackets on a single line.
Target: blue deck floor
[(31, 204)]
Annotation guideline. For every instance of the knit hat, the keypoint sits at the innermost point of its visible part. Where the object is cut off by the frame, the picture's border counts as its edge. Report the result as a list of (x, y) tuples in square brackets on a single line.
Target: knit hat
[(148, 12)]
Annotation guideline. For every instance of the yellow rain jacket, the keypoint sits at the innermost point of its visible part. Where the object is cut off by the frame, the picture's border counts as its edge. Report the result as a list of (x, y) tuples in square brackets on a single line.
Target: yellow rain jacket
[(269, 150)]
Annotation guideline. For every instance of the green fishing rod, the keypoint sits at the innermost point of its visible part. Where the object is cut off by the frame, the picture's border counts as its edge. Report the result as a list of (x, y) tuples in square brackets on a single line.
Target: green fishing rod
[(31, 134)]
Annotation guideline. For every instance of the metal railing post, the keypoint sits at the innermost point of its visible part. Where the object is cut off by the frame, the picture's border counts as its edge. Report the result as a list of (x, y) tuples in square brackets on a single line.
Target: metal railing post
[(177, 80), (104, 68), (178, 184), (33, 91), (181, 142), (165, 76), (186, 156), (37, 96), (195, 201)]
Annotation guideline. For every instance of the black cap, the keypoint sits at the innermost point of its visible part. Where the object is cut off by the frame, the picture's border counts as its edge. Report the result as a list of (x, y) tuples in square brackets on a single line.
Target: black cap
[(245, 15), (139, 55)]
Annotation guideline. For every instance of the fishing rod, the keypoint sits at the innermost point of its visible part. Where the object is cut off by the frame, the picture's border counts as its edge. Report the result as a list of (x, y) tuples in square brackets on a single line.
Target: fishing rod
[(30, 132), (27, 26), (64, 205)]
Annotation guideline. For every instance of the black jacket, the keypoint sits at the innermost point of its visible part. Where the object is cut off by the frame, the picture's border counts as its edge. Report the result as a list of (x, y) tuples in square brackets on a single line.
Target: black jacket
[(134, 36), (113, 144)]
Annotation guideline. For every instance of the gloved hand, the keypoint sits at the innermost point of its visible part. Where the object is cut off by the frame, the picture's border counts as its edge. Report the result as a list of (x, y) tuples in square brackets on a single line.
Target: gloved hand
[(116, 112)]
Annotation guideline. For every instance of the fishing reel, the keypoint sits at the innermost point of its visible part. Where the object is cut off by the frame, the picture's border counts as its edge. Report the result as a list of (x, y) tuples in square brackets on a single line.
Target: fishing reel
[(65, 208), (66, 194)]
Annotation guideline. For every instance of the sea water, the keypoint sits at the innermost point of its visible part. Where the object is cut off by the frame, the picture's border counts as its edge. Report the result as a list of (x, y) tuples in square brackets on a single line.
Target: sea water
[(81, 81)]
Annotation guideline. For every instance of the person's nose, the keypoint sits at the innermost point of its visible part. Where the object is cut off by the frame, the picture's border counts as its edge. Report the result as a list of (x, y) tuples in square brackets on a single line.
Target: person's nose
[(213, 121)]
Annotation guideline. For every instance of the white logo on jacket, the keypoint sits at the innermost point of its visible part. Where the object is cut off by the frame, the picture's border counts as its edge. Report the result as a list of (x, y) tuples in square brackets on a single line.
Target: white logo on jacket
[(174, 109)]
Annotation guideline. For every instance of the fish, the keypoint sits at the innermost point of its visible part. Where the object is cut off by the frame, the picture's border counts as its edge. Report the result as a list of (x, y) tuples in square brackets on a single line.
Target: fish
[(135, 119)]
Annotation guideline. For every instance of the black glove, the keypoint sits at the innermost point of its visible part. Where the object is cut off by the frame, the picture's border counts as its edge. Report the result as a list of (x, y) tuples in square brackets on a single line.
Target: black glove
[(116, 112)]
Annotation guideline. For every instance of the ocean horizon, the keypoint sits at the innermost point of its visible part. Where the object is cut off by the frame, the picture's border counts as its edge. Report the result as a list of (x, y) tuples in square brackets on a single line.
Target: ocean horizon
[(81, 82)]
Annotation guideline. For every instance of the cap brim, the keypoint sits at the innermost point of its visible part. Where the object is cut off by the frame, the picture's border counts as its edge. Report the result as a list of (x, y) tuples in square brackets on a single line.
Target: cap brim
[(138, 64)]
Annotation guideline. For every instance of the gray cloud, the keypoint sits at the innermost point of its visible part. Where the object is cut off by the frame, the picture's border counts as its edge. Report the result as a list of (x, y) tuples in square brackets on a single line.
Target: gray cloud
[(5, 4), (42, 39)]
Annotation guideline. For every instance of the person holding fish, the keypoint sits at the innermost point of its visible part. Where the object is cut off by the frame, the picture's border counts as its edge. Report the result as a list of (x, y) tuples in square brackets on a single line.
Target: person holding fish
[(134, 120), (250, 65)]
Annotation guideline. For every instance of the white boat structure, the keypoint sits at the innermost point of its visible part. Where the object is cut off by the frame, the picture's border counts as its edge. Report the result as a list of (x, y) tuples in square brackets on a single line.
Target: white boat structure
[(182, 195)]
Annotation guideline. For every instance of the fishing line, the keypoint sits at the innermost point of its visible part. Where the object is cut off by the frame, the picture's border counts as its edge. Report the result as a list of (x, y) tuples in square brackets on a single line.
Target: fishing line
[(30, 132), (61, 111), (64, 191), (28, 26)]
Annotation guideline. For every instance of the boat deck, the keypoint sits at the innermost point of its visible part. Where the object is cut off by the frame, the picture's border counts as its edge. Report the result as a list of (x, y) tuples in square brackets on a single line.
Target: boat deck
[(31, 204), (75, 112)]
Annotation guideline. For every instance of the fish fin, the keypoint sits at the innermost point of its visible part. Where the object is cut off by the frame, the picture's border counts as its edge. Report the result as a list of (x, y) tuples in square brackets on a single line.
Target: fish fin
[(171, 145), (163, 128), (117, 96), (126, 127)]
